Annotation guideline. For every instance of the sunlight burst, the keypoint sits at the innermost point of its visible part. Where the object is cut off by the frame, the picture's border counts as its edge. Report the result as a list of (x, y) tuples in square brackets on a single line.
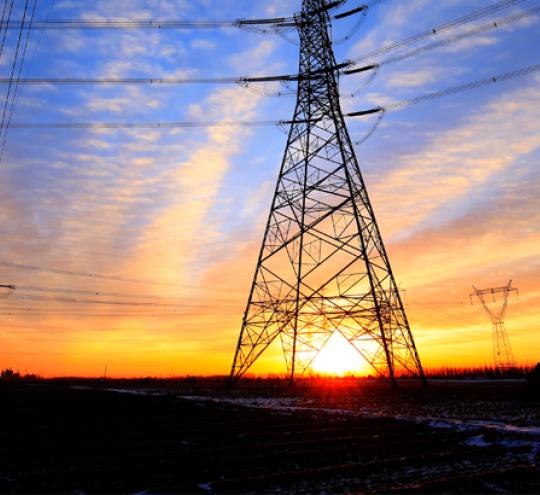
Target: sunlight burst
[(338, 357)]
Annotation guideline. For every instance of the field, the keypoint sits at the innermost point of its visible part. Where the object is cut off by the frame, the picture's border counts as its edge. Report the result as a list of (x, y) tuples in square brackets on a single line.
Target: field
[(331, 436)]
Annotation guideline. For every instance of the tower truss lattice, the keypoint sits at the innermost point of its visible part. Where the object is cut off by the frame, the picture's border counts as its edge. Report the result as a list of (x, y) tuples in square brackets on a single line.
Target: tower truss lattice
[(503, 357), (323, 267)]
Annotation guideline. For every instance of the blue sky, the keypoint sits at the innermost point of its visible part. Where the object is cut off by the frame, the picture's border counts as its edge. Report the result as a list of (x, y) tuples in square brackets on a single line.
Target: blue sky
[(454, 182)]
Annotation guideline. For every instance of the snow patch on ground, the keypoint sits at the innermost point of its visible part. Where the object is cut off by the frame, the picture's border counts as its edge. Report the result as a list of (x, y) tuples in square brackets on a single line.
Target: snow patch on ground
[(508, 435), (470, 424), (207, 487), (480, 441), (133, 391)]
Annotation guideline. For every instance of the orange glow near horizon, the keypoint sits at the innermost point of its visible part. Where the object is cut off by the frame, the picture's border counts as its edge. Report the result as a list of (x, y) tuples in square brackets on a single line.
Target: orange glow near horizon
[(134, 251)]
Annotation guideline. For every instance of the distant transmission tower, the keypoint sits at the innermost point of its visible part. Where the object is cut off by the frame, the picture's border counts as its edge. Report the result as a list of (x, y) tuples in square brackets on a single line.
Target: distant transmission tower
[(503, 357), (322, 266)]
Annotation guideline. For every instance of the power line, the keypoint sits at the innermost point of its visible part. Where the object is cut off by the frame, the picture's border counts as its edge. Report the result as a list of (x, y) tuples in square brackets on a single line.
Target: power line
[(13, 68), (345, 67), (258, 123), (90, 315), (473, 16), (281, 78), (98, 301), (181, 80), (275, 22), (454, 39), (506, 76), (58, 271), (144, 80), (17, 87), (146, 125), (6, 27), (99, 293), (4, 8), (94, 276), (76, 316)]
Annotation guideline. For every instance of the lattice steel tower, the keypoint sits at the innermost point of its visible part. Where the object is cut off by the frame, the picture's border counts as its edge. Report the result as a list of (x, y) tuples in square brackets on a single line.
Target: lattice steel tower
[(503, 358), (323, 267)]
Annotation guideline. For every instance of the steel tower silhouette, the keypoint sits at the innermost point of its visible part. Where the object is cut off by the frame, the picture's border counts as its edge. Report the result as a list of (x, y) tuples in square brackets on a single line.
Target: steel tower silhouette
[(323, 267), (503, 358)]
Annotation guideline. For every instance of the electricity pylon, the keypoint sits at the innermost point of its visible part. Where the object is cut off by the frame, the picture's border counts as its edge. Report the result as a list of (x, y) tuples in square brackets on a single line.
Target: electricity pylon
[(323, 266), (503, 358)]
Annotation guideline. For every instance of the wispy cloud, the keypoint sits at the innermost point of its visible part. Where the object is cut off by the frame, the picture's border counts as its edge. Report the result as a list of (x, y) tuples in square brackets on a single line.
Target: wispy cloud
[(454, 185)]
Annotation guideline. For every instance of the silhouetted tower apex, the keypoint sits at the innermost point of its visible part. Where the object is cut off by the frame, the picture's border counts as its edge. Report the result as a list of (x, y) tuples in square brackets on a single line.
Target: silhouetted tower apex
[(503, 358), (323, 267)]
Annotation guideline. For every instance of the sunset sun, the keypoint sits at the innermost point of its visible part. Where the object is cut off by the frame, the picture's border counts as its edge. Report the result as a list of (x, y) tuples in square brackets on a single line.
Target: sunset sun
[(339, 358)]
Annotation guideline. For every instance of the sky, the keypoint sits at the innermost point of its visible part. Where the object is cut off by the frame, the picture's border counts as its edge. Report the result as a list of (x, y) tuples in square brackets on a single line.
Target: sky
[(169, 221)]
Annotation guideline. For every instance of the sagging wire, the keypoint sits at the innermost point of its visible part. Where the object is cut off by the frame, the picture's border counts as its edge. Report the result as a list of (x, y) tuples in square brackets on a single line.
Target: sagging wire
[(5, 25), (381, 112), (439, 44), (287, 91), (354, 29), (282, 126), (459, 37), (473, 16), (398, 105), (506, 76), (17, 86), (182, 80), (349, 64), (373, 72), (61, 271), (274, 24), (284, 34), (268, 93), (8, 288)]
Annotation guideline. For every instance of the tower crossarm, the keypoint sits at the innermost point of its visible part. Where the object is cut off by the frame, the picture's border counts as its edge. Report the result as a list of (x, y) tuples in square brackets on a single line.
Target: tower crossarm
[(483, 294), (503, 357)]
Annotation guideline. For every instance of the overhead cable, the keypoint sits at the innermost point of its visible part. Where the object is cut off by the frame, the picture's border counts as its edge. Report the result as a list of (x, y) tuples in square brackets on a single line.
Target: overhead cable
[(473, 16), (6, 290), (31, 288), (3, 138), (10, 79), (98, 301), (99, 293), (374, 67), (154, 24), (258, 123), (275, 22), (357, 10), (505, 76), (345, 68), (59, 271), (179, 80), (71, 315), (4, 9), (145, 125), (437, 94), (459, 37), (5, 26)]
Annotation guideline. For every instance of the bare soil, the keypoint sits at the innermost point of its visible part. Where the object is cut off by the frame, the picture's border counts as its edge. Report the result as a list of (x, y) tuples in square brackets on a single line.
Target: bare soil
[(329, 436)]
